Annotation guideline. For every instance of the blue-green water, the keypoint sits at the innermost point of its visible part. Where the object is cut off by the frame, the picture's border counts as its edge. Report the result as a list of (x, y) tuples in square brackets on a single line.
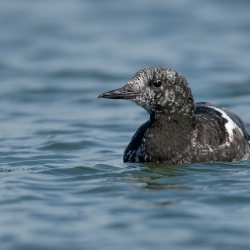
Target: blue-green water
[(63, 184)]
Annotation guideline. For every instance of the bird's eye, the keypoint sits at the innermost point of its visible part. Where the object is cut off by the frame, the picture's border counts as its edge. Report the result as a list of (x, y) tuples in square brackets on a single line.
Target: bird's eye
[(157, 83)]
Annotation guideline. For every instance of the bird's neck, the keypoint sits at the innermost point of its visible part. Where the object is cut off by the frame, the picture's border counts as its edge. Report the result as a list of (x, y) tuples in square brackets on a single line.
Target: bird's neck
[(176, 126), (186, 117)]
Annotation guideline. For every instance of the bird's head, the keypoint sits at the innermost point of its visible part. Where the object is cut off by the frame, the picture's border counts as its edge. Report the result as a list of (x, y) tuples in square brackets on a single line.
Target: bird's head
[(157, 90)]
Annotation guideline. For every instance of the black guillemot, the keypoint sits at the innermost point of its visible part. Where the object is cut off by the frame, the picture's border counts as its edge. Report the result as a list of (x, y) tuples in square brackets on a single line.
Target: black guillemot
[(179, 131)]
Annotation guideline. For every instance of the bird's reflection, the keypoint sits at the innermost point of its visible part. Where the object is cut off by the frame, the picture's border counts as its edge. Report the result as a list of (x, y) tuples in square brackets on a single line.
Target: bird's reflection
[(157, 176)]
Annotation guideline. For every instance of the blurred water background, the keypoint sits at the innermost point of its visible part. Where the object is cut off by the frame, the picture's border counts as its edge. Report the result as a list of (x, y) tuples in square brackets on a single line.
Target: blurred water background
[(63, 184)]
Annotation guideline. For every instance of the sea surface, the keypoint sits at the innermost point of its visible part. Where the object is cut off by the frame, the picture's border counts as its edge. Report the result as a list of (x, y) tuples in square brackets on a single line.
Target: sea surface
[(63, 184)]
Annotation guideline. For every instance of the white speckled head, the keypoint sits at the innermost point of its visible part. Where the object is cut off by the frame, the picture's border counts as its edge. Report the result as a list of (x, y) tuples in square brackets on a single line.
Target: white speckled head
[(158, 90)]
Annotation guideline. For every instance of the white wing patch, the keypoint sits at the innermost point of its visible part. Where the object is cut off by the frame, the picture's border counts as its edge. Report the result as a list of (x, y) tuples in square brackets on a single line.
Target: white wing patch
[(230, 125)]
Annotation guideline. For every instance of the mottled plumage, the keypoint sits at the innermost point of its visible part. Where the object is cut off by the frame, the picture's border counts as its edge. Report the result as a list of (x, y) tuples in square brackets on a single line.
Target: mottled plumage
[(180, 131)]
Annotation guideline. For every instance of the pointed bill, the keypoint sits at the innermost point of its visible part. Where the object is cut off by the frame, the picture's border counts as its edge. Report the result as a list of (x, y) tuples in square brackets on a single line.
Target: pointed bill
[(121, 93)]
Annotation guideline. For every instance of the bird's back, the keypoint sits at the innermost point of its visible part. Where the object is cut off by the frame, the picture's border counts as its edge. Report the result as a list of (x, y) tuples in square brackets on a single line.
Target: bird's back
[(221, 134)]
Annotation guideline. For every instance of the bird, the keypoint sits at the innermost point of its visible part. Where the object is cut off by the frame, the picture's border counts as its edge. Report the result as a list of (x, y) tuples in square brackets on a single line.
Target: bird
[(179, 131)]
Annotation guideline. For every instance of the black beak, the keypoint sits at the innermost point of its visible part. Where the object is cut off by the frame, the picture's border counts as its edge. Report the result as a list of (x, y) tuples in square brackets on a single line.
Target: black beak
[(122, 93)]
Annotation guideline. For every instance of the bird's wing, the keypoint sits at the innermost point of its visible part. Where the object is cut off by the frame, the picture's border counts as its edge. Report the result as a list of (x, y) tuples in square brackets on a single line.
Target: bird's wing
[(242, 126), (136, 141)]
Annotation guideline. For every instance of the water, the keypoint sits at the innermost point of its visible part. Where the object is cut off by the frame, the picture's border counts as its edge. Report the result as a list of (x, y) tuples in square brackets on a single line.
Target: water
[(63, 183)]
